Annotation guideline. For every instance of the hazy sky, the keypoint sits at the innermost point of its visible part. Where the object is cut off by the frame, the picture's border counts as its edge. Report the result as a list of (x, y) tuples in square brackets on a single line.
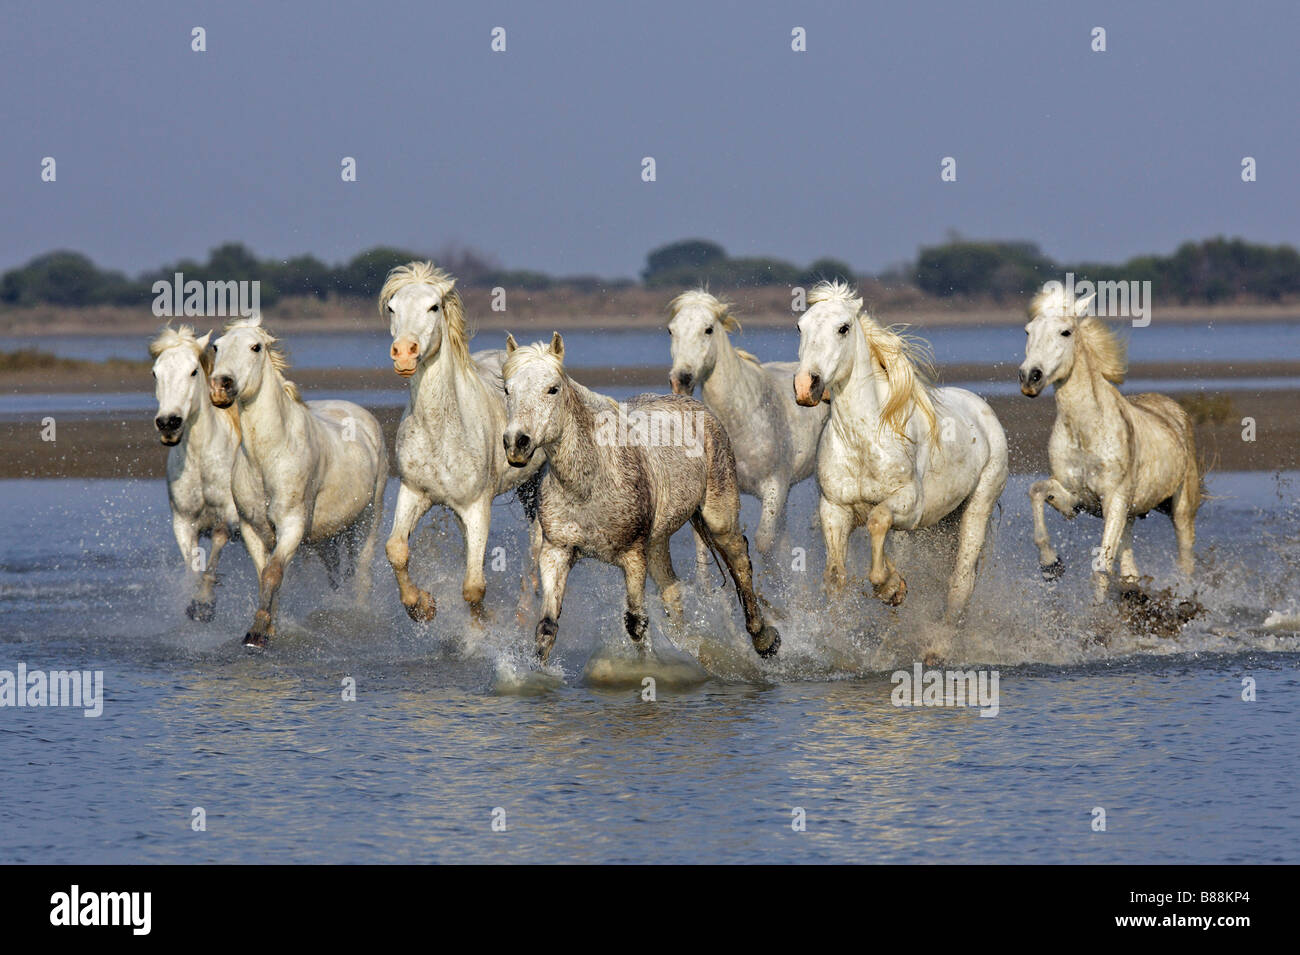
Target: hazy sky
[(534, 155)]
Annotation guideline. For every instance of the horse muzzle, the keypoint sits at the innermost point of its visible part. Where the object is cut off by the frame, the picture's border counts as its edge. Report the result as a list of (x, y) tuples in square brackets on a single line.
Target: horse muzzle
[(222, 391), (1031, 382), (808, 389), (683, 383), (169, 429), (519, 449), (406, 356)]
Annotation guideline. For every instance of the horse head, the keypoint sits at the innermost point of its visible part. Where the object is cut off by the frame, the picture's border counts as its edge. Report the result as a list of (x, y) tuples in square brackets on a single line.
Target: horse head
[(1052, 337), (424, 310), (828, 338), (536, 388), (180, 372), (244, 358), (699, 321)]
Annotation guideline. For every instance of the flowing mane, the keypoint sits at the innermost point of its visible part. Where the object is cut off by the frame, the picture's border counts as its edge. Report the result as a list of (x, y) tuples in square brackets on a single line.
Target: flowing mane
[(1105, 350), (279, 363), (176, 337), (444, 286), (905, 360), (721, 312)]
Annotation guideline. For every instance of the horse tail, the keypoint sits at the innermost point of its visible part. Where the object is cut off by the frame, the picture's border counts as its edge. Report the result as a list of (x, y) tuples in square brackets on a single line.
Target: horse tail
[(530, 495)]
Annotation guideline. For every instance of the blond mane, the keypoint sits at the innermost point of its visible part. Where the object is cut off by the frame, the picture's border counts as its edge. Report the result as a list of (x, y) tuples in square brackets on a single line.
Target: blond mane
[(1105, 351), (456, 333), (906, 361), (279, 363), (720, 310)]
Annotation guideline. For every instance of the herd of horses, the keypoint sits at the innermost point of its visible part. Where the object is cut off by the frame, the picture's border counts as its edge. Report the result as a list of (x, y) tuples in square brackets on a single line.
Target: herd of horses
[(889, 451)]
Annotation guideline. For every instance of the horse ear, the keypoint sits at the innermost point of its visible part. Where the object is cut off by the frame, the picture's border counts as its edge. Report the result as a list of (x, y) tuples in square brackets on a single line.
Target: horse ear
[(557, 345), (203, 342), (511, 344), (1083, 305)]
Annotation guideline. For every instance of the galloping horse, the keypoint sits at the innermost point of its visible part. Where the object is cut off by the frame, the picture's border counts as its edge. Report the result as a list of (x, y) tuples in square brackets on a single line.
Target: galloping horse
[(774, 440), (203, 442), (449, 439), (895, 454), (306, 472), (1113, 456), (619, 481)]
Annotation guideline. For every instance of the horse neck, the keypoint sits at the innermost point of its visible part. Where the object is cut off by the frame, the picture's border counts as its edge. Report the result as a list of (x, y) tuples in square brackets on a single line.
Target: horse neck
[(576, 458), (438, 387), (1085, 396), (263, 419), (856, 404), (205, 426), (734, 383)]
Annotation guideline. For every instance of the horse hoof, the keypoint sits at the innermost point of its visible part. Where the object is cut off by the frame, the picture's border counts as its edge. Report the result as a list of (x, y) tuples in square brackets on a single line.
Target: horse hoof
[(201, 612), (767, 641), (423, 610), (1052, 571), (894, 597), (256, 641), (546, 631), (636, 625)]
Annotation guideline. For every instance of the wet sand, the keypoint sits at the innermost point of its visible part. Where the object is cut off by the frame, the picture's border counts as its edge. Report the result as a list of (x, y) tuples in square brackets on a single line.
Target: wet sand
[(115, 445)]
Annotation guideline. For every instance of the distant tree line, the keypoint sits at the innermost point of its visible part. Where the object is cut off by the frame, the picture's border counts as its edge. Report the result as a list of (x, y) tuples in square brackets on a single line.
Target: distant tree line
[(1213, 270)]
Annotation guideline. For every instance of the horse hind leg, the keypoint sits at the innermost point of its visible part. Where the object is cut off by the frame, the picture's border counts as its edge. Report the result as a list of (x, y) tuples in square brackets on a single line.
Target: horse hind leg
[(1183, 514), (361, 550), (660, 563), (635, 620), (727, 541)]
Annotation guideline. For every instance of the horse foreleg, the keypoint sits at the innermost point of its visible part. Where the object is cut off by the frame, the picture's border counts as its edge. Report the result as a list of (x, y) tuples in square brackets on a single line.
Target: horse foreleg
[(1184, 518), (660, 562), (1049, 492), (837, 524), (772, 496), (186, 531), (411, 506), (204, 605), (529, 581), (888, 583), (703, 562), (725, 535), (288, 535), (1114, 509), (477, 520), (1128, 570), (635, 620), (553, 565)]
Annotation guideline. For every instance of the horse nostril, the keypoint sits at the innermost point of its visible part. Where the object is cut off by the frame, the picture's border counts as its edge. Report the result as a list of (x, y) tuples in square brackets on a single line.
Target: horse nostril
[(815, 380), (522, 441), (1035, 375)]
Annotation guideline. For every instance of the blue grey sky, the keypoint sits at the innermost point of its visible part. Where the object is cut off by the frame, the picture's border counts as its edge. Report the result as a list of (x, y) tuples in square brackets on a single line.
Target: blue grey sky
[(534, 155)]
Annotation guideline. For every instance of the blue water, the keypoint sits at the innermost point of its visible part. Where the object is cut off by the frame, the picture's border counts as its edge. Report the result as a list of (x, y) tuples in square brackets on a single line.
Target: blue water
[(451, 723), (1160, 341)]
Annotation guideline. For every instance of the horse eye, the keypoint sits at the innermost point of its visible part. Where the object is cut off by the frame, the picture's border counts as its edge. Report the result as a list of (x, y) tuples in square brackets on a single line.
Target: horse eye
[(1065, 334), (507, 391), (844, 329), (214, 346), (553, 390), (257, 347), (433, 308), (709, 330), (194, 372)]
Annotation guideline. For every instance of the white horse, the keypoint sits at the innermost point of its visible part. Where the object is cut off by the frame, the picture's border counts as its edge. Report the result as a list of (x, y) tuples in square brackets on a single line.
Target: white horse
[(1113, 456), (895, 454), (203, 441), (305, 473), (619, 482), (449, 440), (774, 440)]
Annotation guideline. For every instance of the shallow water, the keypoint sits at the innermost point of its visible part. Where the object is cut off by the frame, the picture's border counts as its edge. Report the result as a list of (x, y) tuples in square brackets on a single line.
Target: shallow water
[(615, 347), (452, 722)]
